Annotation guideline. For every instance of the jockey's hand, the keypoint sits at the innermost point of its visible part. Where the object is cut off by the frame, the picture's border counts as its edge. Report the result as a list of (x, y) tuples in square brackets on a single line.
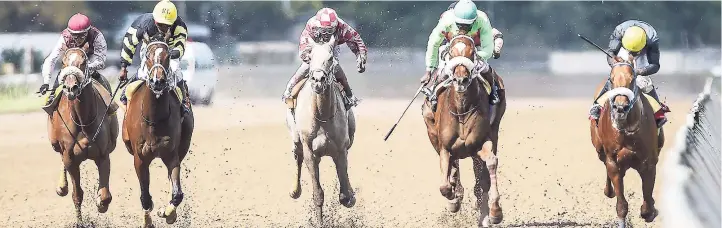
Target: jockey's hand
[(427, 77), (361, 62), (175, 54), (43, 89), (496, 55), (123, 74)]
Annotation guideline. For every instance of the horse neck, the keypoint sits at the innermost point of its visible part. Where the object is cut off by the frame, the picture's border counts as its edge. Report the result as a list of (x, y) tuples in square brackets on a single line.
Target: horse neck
[(155, 109), (466, 100), (324, 104), (84, 109)]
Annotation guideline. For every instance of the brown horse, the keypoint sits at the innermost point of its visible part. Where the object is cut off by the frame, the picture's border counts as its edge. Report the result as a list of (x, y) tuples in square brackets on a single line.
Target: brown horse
[(73, 120), (626, 136), (153, 127), (465, 125)]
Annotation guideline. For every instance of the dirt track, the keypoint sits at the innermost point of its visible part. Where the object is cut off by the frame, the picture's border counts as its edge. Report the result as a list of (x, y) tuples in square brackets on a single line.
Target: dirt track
[(240, 171)]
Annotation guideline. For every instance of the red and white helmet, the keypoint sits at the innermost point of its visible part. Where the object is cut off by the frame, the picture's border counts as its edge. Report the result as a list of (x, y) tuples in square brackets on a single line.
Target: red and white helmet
[(78, 23), (326, 18)]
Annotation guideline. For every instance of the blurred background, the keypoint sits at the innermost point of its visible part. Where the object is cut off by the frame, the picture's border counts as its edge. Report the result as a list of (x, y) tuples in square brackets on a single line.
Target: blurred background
[(250, 48)]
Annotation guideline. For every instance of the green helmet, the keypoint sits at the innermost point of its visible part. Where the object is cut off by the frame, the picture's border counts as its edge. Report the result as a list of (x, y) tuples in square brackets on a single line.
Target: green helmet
[(465, 12)]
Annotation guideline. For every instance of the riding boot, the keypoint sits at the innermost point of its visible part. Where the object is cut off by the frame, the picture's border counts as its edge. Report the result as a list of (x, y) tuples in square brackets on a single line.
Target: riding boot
[(52, 89), (430, 91), (659, 117), (489, 77), (186, 103), (350, 100), (596, 109)]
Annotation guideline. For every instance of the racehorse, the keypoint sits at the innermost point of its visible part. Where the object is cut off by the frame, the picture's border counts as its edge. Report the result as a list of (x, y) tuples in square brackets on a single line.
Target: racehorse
[(626, 136), (153, 127), (74, 119), (321, 126), (465, 125)]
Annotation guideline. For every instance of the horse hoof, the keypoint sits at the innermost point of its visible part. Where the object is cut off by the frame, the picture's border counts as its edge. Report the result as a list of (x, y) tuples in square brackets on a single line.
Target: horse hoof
[(169, 213), (102, 208), (609, 194), (295, 193), (147, 220), (62, 191), (621, 223), (454, 205), (447, 192), (484, 222), (495, 220), (347, 202), (650, 216)]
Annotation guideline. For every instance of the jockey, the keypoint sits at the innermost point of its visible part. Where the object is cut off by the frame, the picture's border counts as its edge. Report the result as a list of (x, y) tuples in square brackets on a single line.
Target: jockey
[(498, 37), (320, 28), (78, 33), (463, 19), (639, 39), (163, 24)]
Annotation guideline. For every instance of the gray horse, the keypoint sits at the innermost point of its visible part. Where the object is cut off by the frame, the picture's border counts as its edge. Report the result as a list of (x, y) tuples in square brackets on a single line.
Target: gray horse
[(321, 126)]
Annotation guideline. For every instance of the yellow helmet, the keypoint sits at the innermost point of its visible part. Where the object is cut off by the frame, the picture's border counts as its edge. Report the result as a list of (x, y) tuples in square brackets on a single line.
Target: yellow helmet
[(165, 12), (634, 39)]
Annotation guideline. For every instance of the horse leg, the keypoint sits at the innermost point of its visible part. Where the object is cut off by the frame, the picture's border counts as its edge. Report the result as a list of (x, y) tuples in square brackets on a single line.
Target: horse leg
[(345, 197), (104, 196), (298, 156), (312, 165), (445, 189), (169, 212), (74, 170), (481, 190), (608, 189), (146, 201), (648, 212), (62, 189), (617, 176), (489, 157), (455, 181)]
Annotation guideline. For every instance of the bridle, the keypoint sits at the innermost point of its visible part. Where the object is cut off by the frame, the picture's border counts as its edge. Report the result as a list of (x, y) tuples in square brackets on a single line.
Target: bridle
[(150, 80), (635, 89), (86, 80)]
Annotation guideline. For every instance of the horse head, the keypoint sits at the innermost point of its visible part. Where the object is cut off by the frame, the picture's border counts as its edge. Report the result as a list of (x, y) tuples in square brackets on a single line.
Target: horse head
[(74, 75), (157, 63), (322, 65), (624, 92), (459, 67)]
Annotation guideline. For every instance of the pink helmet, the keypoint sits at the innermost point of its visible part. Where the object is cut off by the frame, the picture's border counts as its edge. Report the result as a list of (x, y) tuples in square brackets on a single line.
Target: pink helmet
[(326, 18), (78, 23)]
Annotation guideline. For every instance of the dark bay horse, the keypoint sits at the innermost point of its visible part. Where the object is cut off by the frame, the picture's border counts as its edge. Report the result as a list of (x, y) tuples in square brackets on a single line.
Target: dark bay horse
[(153, 127), (626, 136), (465, 125), (73, 120)]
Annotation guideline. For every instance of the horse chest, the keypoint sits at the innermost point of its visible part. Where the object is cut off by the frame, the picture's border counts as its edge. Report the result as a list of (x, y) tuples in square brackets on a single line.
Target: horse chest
[(156, 145)]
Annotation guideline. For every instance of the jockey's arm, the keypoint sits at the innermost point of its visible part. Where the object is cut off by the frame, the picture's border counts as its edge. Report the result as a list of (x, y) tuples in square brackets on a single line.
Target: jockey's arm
[(180, 35), (486, 49), (653, 59), (304, 48), (435, 39), (130, 40), (49, 62), (352, 38), (97, 60)]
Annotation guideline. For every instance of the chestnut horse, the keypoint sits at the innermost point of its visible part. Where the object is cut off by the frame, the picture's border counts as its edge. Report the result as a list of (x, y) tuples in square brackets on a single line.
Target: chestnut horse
[(73, 120), (153, 127), (626, 136), (466, 125)]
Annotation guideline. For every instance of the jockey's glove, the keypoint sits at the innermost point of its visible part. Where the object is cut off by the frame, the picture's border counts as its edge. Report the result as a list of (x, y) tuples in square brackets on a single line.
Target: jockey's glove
[(427, 76), (43, 89), (175, 54), (361, 62)]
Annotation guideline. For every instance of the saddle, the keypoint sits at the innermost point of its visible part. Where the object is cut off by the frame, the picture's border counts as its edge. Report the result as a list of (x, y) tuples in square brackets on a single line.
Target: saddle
[(132, 87), (658, 108), (291, 102), (104, 94)]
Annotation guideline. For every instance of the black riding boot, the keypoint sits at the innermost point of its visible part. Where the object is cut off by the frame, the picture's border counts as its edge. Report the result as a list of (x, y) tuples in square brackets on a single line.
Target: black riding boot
[(185, 106), (594, 112)]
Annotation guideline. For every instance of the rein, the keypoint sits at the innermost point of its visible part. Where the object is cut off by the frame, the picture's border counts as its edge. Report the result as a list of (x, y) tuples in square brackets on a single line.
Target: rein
[(148, 83)]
